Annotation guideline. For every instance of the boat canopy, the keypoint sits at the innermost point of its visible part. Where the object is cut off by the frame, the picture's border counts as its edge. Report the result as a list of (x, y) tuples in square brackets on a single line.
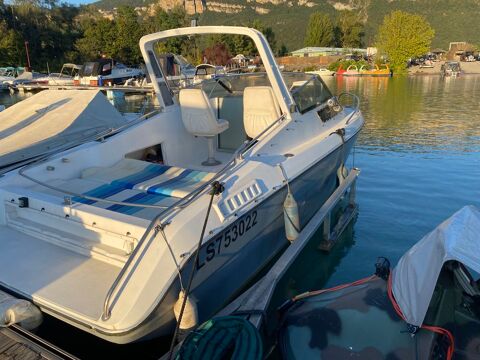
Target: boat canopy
[(416, 274), (51, 119)]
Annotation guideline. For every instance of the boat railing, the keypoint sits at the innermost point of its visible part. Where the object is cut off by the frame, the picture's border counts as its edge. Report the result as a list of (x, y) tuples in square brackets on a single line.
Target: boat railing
[(179, 205), (355, 107)]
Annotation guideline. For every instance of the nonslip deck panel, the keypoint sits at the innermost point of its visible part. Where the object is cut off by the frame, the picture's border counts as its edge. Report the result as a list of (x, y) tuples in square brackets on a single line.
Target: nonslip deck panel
[(53, 275)]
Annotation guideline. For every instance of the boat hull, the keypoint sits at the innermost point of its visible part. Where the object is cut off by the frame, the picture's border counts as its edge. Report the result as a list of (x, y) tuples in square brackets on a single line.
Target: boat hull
[(231, 260)]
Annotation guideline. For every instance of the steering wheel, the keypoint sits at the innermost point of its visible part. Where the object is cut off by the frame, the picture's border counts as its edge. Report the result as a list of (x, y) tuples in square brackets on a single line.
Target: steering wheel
[(227, 86)]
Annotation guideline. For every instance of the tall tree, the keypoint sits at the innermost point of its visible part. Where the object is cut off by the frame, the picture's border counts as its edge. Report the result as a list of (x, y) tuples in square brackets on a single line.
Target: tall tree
[(98, 38), (350, 29), (320, 30), (127, 34), (10, 44), (402, 36)]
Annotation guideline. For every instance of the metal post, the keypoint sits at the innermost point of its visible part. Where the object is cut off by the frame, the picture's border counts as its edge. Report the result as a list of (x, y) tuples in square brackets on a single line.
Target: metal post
[(28, 56)]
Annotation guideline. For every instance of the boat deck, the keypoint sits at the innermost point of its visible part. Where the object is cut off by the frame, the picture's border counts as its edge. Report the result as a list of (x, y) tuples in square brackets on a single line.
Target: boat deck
[(53, 274)]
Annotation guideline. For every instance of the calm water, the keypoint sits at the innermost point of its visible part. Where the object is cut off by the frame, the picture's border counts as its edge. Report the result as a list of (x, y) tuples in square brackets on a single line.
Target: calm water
[(419, 155), (420, 159)]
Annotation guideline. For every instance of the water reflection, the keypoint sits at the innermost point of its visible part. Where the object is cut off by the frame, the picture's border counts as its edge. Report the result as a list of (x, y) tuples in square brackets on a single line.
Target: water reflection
[(419, 153)]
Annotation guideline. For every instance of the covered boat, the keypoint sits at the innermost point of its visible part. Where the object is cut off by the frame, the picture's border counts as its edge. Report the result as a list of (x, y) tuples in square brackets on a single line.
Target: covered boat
[(53, 119), (106, 72), (386, 315), (109, 232)]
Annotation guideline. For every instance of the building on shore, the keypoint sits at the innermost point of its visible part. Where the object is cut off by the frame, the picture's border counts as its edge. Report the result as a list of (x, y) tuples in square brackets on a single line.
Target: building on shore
[(325, 51)]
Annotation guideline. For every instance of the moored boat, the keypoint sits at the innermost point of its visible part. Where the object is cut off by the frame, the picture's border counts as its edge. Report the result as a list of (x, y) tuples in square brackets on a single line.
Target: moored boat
[(322, 72), (123, 216), (105, 72), (451, 68), (426, 307), (412, 311)]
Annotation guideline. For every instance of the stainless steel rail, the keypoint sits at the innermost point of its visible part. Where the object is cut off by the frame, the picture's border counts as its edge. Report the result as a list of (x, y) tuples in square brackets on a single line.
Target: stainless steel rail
[(356, 107), (182, 203)]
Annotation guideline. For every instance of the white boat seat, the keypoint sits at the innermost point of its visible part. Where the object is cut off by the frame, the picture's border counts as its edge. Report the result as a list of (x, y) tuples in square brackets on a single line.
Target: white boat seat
[(199, 119), (260, 109)]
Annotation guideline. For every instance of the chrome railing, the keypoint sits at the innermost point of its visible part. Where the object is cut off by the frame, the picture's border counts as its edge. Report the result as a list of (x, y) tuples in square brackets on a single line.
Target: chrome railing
[(356, 104), (180, 204)]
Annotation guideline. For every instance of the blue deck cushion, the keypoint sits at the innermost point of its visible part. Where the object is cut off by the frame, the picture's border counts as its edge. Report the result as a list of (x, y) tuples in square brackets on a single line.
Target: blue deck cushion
[(153, 182)]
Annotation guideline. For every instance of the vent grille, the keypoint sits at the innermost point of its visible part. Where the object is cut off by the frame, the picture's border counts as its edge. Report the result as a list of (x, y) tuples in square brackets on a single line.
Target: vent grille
[(235, 202)]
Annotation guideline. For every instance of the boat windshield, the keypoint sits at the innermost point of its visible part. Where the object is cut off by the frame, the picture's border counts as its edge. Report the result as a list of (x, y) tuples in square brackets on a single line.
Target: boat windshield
[(308, 91)]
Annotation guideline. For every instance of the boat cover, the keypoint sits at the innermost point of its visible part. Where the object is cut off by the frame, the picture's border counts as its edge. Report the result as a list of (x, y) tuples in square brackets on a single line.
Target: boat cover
[(51, 119), (415, 276)]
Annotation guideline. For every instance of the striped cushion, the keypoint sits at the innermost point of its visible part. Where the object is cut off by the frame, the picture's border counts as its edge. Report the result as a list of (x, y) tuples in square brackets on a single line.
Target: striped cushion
[(140, 182)]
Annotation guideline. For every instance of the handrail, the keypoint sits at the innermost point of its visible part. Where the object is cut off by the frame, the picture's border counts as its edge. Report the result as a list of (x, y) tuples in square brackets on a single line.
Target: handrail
[(180, 204), (356, 104)]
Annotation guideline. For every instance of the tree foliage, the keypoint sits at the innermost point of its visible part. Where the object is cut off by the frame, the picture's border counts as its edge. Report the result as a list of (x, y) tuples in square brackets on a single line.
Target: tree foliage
[(320, 30), (402, 36), (59, 33), (350, 29)]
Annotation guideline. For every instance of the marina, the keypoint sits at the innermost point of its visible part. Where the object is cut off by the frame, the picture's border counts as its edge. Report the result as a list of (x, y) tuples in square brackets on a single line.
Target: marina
[(216, 200)]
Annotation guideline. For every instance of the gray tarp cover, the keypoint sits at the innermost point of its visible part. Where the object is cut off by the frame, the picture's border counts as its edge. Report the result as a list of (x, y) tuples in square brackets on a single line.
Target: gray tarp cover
[(415, 276), (53, 118)]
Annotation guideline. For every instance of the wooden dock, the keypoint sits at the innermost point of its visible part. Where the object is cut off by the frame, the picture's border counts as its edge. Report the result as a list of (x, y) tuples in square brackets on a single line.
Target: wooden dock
[(18, 343)]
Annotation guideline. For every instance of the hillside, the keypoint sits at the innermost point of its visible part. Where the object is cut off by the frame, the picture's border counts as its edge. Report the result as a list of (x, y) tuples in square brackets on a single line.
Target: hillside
[(453, 20)]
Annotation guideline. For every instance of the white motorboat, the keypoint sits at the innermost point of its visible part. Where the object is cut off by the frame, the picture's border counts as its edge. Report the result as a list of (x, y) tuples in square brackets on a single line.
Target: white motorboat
[(322, 72), (65, 76), (105, 72), (7, 74), (104, 236), (207, 71)]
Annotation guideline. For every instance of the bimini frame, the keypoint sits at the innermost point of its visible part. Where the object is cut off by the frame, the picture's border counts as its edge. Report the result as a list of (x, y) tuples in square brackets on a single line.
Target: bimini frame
[(164, 93)]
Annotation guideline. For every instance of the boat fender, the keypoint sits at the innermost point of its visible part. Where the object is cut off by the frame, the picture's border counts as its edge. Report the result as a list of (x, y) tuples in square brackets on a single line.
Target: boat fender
[(291, 217), (18, 311), (190, 313)]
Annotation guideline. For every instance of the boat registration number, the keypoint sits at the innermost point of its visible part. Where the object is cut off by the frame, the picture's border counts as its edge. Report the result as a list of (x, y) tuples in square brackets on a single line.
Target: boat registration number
[(226, 238)]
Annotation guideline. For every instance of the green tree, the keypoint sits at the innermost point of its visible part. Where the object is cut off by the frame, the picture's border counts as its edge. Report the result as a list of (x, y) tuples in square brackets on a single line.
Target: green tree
[(127, 31), (98, 37), (10, 43), (320, 31), (350, 29), (402, 36)]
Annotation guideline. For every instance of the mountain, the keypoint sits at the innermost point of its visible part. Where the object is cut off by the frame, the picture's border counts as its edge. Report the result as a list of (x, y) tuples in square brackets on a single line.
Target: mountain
[(453, 20)]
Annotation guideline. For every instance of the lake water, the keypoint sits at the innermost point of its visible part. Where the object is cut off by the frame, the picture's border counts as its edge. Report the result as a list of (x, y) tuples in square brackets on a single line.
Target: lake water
[(419, 155)]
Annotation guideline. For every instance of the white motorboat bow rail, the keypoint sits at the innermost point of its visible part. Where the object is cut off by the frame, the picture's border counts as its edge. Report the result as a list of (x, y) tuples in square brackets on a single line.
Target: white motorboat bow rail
[(103, 235)]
